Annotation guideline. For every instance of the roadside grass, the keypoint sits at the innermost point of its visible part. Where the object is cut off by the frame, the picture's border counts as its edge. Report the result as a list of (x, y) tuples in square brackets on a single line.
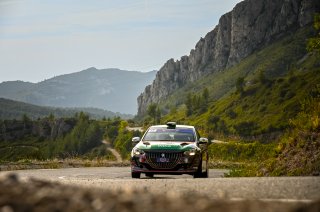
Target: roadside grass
[(223, 164), (241, 158)]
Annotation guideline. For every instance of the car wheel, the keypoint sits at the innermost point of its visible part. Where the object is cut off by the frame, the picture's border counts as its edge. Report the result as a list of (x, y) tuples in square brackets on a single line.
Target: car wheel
[(135, 174), (198, 173), (149, 174), (205, 174)]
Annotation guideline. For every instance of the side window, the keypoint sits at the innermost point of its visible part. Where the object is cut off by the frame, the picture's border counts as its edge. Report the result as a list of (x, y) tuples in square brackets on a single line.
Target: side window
[(198, 135)]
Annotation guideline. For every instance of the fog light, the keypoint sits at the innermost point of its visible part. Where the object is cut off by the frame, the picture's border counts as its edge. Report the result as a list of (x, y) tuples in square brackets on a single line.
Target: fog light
[(186, 160), (142, 159)]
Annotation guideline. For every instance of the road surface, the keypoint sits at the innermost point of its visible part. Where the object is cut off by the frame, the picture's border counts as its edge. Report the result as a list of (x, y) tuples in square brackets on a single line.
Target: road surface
[(284, 189)]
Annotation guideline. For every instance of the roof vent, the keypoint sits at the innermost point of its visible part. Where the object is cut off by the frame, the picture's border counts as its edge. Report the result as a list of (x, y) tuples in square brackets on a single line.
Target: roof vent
[(171, 124)]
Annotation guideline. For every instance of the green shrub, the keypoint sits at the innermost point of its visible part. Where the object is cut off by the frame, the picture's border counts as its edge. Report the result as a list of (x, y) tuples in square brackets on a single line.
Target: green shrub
[(236, 151)]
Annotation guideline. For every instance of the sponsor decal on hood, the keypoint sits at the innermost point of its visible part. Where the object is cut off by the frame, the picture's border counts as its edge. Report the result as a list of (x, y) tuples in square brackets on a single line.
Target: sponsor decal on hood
[(174, 146)]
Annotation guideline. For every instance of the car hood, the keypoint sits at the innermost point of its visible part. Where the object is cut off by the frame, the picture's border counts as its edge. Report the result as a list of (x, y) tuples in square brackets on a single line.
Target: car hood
[(166, 145)]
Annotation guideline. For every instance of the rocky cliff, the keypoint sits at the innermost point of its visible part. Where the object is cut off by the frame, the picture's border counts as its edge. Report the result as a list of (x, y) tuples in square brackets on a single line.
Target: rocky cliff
[(251, 25)]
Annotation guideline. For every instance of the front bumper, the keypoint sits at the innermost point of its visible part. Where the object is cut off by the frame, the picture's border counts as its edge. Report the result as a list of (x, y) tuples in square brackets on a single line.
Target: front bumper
[(179, 165), (163, 171)]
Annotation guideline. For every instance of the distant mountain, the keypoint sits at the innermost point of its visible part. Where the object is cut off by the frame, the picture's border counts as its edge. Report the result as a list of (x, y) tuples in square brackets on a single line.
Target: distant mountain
[(111, 89), (10, 109)]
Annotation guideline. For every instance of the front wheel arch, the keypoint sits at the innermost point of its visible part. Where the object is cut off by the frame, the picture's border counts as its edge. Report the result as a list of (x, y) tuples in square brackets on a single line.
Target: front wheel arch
[(199, 173)]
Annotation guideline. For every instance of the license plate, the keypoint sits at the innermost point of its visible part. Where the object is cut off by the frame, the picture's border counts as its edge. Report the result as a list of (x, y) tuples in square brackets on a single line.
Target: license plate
[(163, 160)]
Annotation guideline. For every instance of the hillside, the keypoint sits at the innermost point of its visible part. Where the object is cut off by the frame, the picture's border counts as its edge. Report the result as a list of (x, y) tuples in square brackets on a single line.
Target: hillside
[(250, 27), (275, 81), (50, 137), (10, 109), (253, 95), (109, 89)]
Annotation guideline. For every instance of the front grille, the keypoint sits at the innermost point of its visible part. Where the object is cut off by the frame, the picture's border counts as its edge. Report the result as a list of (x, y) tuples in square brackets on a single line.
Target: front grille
[(174, 159)]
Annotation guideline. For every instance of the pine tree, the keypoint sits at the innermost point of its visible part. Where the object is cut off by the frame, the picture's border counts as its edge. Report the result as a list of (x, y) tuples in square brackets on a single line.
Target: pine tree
[(240, 85), (189, 104), (152, 111)]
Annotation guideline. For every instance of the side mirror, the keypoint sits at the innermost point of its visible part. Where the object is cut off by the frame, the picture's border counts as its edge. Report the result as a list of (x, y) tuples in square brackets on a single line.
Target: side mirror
[(203, 141), (136, 140)]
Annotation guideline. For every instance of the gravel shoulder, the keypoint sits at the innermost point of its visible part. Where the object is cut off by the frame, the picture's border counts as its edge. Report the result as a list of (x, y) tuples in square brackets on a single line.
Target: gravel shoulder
[(112, 189)]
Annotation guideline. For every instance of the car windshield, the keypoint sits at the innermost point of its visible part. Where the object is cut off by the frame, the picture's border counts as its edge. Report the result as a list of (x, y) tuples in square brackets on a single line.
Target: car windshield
[(167, 134)]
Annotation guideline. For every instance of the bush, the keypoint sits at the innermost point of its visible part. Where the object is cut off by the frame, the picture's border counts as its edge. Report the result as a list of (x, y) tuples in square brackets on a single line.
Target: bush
[(235, 151), (246, 128)]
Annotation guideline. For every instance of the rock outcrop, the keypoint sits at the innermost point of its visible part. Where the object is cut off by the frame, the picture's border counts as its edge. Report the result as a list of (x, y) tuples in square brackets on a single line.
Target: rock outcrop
[(251, 25)]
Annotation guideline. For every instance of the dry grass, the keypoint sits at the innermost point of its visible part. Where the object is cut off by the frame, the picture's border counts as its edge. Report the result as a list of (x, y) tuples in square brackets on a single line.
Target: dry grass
[(59, 163)]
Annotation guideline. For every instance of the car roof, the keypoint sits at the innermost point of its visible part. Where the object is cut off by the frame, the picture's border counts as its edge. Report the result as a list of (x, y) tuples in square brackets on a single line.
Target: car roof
[(177, 126)]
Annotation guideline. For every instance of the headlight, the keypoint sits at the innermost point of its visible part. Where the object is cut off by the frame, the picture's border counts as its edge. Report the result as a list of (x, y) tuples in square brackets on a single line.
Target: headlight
[(190, 152), (138, 151)]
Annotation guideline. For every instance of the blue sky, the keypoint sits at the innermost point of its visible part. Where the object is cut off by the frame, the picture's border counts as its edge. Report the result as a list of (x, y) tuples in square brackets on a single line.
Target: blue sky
[(40, 39)]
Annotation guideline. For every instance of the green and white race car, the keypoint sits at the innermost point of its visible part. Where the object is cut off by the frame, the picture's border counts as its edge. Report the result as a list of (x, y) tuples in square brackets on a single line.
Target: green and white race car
[(170, 149)]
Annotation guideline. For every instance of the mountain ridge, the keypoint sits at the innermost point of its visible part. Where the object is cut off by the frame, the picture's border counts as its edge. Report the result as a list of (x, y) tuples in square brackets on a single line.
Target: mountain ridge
[(110, 89), (10, 109)]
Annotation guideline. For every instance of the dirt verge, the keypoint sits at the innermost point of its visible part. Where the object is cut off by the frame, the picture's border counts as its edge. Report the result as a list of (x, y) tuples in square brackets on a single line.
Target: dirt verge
[(38, 195)]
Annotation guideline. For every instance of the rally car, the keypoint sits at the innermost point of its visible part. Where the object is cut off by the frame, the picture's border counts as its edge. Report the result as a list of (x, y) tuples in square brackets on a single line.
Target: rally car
[(170, 149)]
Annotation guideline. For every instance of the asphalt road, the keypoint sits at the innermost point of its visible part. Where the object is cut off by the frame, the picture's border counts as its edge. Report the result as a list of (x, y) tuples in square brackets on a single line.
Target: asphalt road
[(287, 189)]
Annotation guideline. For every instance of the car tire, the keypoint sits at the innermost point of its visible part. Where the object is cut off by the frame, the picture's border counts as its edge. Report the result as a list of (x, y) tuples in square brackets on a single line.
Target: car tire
[(135, 174), (205, 174), (198, 173), (149, 174)]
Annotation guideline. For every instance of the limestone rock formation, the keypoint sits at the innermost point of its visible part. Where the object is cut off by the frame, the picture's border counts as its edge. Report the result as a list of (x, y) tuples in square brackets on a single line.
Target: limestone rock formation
[(250, 26)]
